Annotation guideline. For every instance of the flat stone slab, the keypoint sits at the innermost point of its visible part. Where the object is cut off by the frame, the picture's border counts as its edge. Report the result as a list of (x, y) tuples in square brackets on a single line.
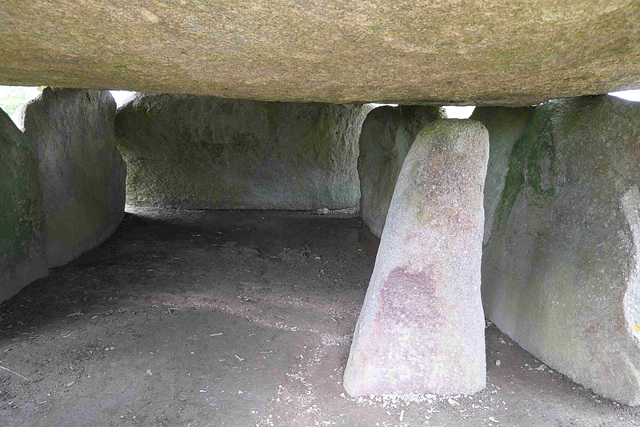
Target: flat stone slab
[(83, 174), (22, 221), (479, 52), (386, 137), (561, 270), (421, 328), (200, 152)]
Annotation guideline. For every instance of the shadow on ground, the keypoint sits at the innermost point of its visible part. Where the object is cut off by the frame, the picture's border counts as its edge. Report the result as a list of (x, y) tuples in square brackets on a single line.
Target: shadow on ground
[(193, 318)]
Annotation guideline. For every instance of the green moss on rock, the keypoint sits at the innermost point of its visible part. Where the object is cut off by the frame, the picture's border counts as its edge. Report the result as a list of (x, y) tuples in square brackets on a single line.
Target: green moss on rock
[(560, 269), (532, 163), (22, 249)]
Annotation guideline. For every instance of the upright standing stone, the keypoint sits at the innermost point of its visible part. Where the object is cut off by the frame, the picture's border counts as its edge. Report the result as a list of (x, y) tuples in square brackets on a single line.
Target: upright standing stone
[(197, 152), (83, 174), (505, 125), (386, 137), (22, 248), (421, 328), (561, 271)]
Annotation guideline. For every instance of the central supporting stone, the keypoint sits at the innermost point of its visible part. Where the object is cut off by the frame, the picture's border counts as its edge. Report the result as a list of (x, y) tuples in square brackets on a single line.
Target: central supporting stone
[(421, 329)]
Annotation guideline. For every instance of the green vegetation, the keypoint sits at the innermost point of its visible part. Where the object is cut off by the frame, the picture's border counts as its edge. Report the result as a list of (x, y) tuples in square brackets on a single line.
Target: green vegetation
[(532, 157), (12, 97), (21, 206)]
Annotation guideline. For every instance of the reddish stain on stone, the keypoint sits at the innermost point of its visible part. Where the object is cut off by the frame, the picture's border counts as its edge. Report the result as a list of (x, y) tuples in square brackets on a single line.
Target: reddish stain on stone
[(410, 298)]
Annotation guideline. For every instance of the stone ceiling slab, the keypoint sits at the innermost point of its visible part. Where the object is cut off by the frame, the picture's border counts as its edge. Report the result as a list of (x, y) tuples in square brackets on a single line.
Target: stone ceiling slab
[(449, 51)]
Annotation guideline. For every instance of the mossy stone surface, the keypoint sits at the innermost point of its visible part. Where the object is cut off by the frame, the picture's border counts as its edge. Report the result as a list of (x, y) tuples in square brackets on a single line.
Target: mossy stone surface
[(561, 270), (22, 225), (83, 174), (212, 153), (505, 126), (386, 137), (487, 52)]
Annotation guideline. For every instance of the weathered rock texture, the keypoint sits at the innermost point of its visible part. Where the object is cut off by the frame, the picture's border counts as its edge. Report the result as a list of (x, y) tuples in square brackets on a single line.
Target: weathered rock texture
[(22, 247), (421, 328), (386, 137), (505, 126), (480, 52), (561, 271), (203, 152), (83, 174)]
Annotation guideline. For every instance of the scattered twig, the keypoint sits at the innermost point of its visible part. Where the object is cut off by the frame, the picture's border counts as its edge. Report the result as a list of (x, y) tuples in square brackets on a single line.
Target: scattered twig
[(15, 373)]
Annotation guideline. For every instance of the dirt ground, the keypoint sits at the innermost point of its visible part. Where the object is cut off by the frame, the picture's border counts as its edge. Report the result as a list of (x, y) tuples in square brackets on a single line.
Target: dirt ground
[(187, 318)]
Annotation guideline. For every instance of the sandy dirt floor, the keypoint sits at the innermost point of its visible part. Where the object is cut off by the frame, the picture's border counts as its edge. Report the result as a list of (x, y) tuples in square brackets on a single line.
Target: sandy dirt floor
[(188, 318)]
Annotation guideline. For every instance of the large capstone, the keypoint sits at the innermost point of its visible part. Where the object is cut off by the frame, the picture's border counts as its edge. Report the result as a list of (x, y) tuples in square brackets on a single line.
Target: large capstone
[(421, 328), (83, 174), (386, 137), (491, 52), (505, 126), (203, 152), (22, 238), (561, 271)]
